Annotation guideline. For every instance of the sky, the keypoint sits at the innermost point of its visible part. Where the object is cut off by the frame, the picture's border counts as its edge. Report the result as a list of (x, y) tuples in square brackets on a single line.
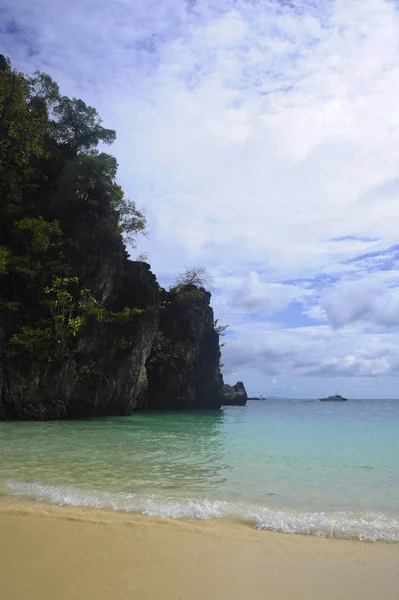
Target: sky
[(262, 140)]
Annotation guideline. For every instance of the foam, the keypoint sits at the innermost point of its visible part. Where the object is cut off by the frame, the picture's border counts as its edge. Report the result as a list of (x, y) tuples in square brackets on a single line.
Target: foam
[(348, 525)]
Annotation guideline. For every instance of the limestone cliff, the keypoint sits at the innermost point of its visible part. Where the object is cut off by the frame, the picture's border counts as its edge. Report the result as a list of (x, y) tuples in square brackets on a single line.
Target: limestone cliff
[(166, 357), (183, 368), (106, 374)]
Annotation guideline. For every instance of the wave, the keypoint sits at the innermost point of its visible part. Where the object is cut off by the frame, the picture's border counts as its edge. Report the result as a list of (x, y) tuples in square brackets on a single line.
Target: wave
[(368, 526)]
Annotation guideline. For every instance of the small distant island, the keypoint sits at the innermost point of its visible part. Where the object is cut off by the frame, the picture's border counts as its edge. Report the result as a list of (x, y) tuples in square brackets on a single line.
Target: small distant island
[(261, 397), (334, 398), (84, 330)]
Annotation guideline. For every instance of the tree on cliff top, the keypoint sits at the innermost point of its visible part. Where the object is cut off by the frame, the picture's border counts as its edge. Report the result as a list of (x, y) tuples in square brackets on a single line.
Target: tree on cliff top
[(197, 276)]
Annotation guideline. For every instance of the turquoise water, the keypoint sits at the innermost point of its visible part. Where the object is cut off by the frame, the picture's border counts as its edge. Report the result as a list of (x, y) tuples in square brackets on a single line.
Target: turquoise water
[(296, 466)]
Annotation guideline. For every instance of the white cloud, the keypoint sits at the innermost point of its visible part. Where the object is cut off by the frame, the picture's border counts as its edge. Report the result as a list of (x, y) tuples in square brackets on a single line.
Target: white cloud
[(369, 301), (313, 351), (263, 140)]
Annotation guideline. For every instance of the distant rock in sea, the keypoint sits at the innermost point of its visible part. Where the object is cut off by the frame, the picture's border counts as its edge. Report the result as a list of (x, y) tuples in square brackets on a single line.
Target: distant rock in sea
[(234, 395)]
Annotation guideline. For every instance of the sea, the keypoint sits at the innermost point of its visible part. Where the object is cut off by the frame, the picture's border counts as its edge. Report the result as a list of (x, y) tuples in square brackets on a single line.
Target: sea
[(295, 466)]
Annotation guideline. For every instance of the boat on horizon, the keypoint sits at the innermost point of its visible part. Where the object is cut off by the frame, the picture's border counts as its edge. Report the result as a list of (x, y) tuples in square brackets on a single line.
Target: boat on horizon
[(334, 398)]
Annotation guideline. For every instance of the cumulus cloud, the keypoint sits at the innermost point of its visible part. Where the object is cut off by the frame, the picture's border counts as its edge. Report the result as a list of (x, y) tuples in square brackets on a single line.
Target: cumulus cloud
[(369, 300), (314, 351), (254, 294), (263, 140)]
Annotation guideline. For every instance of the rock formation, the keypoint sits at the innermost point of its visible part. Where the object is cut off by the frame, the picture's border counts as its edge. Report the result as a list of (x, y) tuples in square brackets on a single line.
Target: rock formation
[(234, 395), (166, 357), (183, 368), (105, 376)]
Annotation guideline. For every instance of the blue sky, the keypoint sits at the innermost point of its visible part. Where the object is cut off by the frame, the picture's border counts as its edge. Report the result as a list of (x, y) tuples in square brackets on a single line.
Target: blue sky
[(262, 140)]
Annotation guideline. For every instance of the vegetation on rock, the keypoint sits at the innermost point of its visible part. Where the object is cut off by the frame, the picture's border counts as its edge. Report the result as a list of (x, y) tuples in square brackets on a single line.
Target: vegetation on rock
[(194, 276), (58, 195)]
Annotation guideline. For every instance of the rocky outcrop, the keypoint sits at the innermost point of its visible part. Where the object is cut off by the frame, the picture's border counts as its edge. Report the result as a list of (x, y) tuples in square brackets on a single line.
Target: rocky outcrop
[(166, 357), (107, 374), (84, 331), (234, 395), (183, 368)]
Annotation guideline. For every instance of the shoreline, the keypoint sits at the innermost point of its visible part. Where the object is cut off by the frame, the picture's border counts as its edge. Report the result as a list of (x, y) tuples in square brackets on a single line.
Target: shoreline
[(62, 552), (340, 524)]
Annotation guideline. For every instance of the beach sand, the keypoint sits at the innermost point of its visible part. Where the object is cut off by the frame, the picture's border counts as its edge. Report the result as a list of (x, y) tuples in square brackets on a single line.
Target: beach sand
[(60, 553)]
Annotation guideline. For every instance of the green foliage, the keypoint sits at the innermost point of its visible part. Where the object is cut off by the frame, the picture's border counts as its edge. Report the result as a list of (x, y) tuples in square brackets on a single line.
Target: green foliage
[(189, 292), (165, 303), (88, 368), (22, 135), (164, 354), (38, 234), (21, 128), (78, 125), (131, 220), (68, 306), (37, 342), (89, 180), (48, 155), (4, 258), (197, 276), (60, 203), (220, 329), (122, 317), (10, 305), (44, 92), (124, 344)]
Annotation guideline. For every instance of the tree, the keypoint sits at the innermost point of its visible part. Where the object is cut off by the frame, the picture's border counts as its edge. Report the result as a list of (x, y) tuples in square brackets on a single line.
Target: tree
[(22, 133), (44, 93), (79, 126), (197, 276), (68, 306), (4, 257), (67, 309), (88, 183), (38, 235), (220, 329), (21, 128)]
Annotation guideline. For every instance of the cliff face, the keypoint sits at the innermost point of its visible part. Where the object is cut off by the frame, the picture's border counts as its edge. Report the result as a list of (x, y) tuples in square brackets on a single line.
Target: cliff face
[(165, 357), (183, 368), (106, 375)]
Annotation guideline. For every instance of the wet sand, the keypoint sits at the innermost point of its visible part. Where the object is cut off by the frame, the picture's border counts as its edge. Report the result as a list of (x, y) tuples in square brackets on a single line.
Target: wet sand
[(49, 553)]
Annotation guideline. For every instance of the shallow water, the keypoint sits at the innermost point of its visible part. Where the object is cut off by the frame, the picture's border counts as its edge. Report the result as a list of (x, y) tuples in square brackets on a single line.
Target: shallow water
[(306, 466)]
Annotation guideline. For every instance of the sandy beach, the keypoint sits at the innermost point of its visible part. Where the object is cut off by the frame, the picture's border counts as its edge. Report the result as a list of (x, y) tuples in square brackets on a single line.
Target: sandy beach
[(67, 553)]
